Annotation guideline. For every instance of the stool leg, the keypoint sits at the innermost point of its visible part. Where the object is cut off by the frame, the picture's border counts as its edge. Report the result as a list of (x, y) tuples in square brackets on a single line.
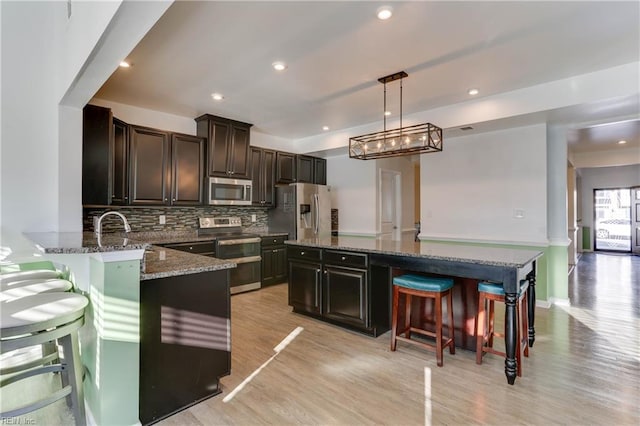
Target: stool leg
[(491, 323), (394, 317), (525, 324), (407, 316), (452, 347), (480, 327), (73, 369), (438, 302)]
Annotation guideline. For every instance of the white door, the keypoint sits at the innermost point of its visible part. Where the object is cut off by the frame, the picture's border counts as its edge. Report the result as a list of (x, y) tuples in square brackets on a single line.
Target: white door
[(389, 205)]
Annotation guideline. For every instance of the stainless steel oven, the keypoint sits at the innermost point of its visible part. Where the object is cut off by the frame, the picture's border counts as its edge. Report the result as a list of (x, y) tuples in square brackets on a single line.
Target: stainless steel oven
[(245, 252), (232, 244)]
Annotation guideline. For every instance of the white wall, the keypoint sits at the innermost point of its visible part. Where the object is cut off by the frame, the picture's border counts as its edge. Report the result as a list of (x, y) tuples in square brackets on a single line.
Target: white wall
[(602, 178), (471, 189), (405, 166), (353, 192), (29, 172)]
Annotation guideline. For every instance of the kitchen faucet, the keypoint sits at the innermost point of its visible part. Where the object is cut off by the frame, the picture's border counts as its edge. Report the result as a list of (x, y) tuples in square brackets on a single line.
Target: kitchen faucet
[(127, 228)]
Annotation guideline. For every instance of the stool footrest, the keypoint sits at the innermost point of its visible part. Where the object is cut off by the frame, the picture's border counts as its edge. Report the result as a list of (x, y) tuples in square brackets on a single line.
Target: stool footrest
[(27, 408)]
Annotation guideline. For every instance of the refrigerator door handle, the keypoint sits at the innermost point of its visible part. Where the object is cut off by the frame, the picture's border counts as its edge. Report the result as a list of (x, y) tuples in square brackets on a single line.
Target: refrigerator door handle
[(316, 202)]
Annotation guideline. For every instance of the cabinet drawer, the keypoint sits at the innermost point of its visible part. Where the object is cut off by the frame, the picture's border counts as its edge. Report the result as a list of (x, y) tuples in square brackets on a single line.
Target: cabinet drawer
[(304, 253), (200, 247), (346, 258), (273, 241)]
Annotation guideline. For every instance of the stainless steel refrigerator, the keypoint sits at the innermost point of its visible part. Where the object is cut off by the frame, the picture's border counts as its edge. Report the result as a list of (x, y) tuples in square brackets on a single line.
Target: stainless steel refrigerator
[(303, 210)]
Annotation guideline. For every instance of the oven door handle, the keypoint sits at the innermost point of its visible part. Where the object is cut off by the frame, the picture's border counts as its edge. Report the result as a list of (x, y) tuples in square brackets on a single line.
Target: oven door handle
[(246, 259), (239, 241)]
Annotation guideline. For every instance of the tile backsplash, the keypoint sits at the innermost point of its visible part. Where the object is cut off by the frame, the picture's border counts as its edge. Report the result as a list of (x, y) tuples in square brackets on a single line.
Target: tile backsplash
[(177, 218)]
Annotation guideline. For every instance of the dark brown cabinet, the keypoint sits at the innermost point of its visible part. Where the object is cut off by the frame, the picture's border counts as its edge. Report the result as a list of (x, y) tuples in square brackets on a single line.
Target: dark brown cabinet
[(263, 176), (104, 157), (336, 286), (149, 181), (228, 146), (285, 167), (319, 171), (165, 168), (187, 170), (300, 168), (274, 260)]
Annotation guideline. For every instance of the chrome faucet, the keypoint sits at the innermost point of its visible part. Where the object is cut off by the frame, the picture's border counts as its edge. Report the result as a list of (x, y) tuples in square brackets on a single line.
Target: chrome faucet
[(127, 228)]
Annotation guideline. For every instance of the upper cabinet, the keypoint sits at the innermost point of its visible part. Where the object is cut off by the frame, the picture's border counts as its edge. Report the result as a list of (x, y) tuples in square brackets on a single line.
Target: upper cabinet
[(149, 158), (228, 146), (292, 168), (263, 176), (104, 157), (129, 164), (285, 167)]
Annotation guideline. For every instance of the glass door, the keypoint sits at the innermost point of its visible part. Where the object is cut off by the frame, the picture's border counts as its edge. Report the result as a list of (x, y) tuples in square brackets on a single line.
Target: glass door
[(612, 219)]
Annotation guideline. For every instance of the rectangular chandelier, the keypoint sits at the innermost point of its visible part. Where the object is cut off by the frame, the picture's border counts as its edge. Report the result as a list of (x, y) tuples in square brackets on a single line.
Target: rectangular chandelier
[(418, 139)]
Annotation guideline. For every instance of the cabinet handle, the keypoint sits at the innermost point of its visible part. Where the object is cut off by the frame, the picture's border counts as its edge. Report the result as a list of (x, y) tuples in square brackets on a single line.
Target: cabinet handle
[(275, 241), (325, 271), (344, 258), (190, 248), (126, 198), (174, 199), (166, 199), (274, 251), (301, 253)]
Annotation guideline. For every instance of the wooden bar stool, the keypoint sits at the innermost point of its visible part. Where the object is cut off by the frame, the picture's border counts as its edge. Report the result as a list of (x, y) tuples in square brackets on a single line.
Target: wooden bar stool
[(36, 320), (427, 288), (485, 330)]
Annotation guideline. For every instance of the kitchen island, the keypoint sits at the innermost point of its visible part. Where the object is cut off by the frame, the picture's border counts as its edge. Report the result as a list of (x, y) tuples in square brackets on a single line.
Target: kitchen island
[(347, 280), (143, 301)]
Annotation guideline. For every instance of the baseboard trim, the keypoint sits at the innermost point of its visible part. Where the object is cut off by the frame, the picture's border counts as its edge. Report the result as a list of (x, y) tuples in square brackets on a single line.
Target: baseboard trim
[(543, 304), (559, 302)]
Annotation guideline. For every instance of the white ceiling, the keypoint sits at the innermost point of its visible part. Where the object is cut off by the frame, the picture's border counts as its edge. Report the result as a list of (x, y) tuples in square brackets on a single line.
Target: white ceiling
[(336, 51)]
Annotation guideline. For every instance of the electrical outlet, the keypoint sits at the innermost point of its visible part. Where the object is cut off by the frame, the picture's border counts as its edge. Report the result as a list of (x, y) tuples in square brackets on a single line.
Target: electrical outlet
[(253, 218), (518, 213), (162, 219), (162, 255)]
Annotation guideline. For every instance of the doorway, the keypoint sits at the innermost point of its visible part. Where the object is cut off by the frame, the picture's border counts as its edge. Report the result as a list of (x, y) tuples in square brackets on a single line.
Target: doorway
[(389, 206), (612, 219)]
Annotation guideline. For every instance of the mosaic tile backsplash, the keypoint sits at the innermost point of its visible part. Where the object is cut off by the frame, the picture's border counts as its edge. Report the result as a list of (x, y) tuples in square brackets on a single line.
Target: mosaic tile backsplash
[(177, 218)]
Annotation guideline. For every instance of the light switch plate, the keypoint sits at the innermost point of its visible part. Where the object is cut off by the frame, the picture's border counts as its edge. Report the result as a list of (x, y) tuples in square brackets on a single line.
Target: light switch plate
[(162, 219)]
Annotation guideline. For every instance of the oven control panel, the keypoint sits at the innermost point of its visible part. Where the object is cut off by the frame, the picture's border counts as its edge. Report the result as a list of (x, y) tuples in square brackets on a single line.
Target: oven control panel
[(220, 222)]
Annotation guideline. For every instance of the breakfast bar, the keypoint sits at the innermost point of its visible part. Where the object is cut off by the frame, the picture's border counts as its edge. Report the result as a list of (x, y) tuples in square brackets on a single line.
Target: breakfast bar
[(383, 258)]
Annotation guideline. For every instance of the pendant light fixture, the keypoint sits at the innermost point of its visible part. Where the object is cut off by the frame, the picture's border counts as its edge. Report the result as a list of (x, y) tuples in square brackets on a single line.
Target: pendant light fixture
[(418, 139)]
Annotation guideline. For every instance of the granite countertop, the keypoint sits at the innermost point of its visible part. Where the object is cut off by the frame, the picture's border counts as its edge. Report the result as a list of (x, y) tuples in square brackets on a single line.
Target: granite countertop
[(161, 262), (429, 250)]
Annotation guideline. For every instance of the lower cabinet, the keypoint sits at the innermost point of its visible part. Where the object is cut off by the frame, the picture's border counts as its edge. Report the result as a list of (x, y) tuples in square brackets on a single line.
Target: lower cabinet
[(185, 341), (336, 286), (274, 260)]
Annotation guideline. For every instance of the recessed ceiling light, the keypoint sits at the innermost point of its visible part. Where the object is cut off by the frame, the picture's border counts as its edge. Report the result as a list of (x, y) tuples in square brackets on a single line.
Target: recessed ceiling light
[(384, 12), (125, 64), (279, 66), (622, 142), (387, 113), (473, 92), (325, 128), (217, 96)]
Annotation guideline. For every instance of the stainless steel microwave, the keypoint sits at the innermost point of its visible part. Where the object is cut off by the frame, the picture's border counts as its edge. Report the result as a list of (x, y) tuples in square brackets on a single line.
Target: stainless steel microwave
[(232, 192)]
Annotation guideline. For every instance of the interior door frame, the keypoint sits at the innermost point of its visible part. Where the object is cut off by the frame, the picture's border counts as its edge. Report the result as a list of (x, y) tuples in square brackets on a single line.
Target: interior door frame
[(635, 220), (631, 216)]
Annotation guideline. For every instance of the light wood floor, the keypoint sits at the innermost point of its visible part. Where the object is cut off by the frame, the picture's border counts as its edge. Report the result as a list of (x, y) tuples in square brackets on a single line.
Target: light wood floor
[(583, 370)]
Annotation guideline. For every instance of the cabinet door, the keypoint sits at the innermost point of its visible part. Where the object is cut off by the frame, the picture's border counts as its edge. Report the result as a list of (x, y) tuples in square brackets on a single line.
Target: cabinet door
[(285, 167), (319, 171), (97, 151), (219, 139), (187, 171), (274, 265), (149, 166), (305, 286), (238, 156), (255, 160), (119, 175), (345, 295), (304, 169), (269, 177)]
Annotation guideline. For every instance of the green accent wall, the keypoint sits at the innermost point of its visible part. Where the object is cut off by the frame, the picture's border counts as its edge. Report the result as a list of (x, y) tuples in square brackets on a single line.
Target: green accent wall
[(110, 342), (547, 285), (586, 238), (557, 272)]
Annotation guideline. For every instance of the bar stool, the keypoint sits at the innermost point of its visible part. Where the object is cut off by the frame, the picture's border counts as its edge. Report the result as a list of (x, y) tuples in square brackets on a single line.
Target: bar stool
[(16, 289), (36, 320), (485, 331), (426, 288), (42, 274)]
